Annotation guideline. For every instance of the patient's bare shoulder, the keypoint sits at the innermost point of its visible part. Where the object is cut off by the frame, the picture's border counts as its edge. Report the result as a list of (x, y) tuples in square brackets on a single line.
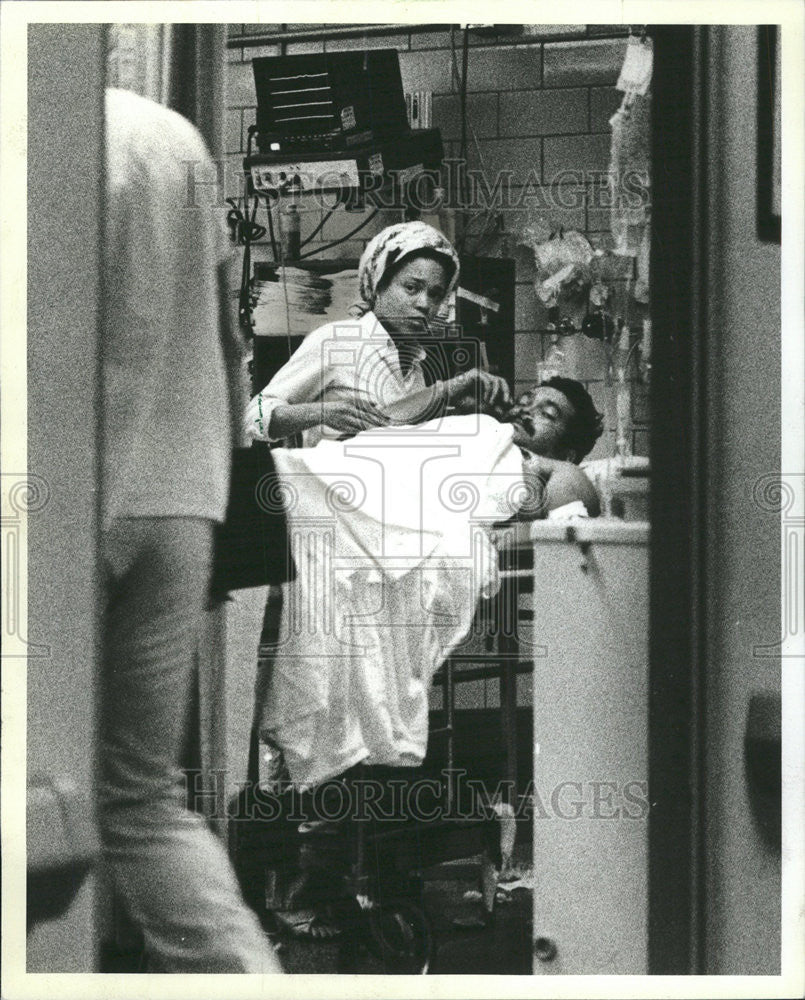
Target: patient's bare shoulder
[(569, 483), (555, 483)]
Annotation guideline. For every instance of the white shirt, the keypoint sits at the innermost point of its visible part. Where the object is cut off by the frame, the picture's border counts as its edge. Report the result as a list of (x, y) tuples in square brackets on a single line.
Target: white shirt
[(166, 421), (353, 359)]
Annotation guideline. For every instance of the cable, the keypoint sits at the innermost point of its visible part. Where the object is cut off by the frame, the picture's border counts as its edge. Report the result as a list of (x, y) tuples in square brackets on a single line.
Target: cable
[(489, 210), (284, 282), (245, 231), (465, 51), (243, 228), (251, 132), (271, 236), (335, 243), (317, 229)]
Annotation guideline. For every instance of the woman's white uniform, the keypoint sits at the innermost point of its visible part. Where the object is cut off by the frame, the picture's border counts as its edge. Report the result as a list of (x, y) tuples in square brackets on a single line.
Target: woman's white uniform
[(353, 360)]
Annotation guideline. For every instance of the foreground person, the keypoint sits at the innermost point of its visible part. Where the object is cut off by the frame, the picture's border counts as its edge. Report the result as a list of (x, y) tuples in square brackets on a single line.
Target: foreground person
[(163, 491)]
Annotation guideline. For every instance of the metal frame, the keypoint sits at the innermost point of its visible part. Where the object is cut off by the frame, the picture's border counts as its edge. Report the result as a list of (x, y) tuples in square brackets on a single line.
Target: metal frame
[(270, 37), (505, 665)]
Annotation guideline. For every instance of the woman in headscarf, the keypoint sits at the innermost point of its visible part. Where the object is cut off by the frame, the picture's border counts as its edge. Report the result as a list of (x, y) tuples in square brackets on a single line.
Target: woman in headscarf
[(345, 376)]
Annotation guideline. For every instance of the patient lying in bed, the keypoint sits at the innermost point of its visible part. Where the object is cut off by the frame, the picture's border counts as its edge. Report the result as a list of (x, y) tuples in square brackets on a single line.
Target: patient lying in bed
[(391, 533)]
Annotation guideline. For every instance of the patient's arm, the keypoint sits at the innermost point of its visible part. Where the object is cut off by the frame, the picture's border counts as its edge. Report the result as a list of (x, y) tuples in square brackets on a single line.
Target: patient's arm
[(551, 484), (569, 483)]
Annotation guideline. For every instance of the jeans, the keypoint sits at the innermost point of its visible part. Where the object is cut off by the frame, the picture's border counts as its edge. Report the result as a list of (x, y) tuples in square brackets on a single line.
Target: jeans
[(172, 874)]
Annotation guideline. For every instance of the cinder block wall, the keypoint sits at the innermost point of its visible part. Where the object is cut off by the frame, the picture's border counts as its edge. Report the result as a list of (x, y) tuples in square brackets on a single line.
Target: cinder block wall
[(537, 107)]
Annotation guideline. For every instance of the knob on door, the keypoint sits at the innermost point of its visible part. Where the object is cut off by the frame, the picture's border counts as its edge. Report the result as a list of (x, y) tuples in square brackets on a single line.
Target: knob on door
[(544, 949), (763, 764)]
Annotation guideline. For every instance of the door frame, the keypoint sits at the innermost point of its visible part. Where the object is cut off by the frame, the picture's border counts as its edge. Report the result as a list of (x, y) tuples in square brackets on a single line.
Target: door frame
[(679, 510)]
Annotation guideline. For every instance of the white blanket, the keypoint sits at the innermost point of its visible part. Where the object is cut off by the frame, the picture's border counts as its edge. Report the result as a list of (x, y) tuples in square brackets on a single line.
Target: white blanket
[(390, 532)]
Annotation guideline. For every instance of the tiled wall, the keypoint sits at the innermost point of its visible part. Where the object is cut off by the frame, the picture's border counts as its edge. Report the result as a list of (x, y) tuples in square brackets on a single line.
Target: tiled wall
[(538, 108)]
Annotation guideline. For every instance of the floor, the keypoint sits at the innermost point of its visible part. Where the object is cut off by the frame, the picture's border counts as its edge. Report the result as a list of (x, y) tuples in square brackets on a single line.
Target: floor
[(384, 941), (503, 947)]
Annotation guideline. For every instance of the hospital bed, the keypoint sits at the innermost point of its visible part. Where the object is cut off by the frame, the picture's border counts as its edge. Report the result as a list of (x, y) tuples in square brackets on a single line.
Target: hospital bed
[(586, 650), (389, 861)]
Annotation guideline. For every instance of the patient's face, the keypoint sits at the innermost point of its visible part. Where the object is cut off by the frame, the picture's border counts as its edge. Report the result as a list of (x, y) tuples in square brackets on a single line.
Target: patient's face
[(412, 298), (541, 419)]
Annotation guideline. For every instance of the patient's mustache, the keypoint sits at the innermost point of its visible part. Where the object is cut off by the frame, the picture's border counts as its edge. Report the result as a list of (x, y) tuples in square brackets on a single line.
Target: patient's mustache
[(517, 414)]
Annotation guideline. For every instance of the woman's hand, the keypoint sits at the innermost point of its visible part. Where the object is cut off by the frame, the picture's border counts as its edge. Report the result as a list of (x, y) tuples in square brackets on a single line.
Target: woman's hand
[(477, 391), (348, 417), (352, 418)]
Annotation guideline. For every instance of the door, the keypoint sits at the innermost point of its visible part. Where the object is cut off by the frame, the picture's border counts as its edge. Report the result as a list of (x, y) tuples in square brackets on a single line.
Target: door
[(65, 183), (717, 494)]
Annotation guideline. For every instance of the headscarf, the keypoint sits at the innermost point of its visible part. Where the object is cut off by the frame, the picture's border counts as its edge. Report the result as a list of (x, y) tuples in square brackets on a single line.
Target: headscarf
[(389, 247)]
